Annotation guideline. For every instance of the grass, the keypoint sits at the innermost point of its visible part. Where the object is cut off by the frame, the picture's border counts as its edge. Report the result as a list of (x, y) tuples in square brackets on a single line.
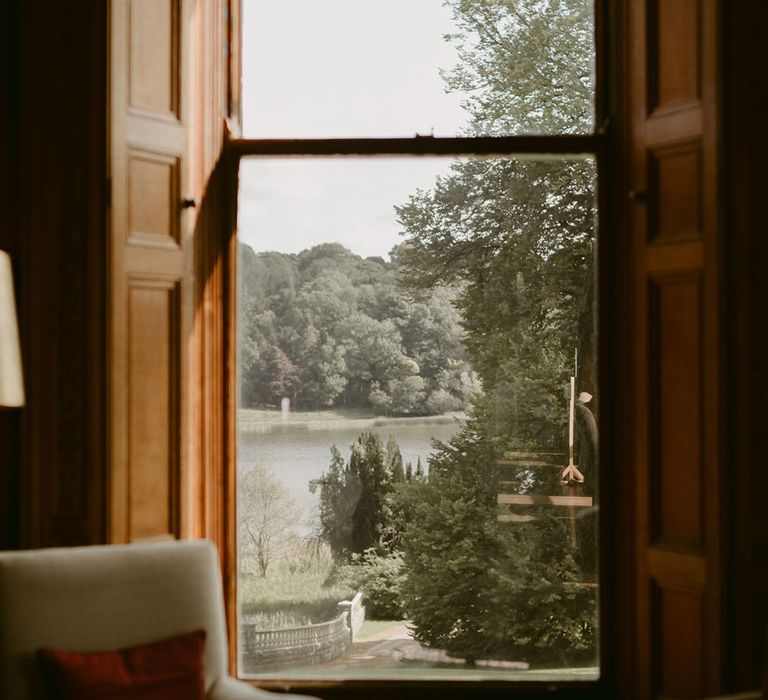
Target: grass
[(294, 592), (256, 418), (371, 627), (263, 419)]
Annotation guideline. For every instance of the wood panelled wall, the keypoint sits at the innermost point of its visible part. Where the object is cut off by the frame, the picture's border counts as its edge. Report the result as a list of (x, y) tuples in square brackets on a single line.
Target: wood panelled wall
[(677, 369), (114, 274), (151, 292), (53, 222), (217, 99), (172, 95)]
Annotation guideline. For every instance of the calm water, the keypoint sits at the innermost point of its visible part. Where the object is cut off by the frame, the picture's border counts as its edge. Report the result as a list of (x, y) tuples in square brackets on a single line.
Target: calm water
[(296, 453)]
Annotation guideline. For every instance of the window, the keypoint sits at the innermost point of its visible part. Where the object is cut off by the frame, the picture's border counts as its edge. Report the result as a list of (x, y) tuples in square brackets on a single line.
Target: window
[(367, 551)]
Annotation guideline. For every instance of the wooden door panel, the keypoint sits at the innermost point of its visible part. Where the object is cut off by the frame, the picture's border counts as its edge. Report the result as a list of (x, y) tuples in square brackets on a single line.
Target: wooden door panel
[(154, 57), (153, 387), (674, 188), (154, 197), (675, 371), (151, 282), (673, 54), (675, 480), (678, 614)]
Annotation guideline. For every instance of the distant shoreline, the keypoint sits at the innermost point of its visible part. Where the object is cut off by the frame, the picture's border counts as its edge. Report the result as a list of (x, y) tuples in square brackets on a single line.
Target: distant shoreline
[(256, 420)]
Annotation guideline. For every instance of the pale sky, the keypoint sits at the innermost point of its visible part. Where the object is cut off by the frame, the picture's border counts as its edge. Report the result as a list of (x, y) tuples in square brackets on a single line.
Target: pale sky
[(355, 68)]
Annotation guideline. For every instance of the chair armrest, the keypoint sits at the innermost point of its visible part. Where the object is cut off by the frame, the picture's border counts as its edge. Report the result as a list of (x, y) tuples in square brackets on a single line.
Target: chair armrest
[(227, 688)]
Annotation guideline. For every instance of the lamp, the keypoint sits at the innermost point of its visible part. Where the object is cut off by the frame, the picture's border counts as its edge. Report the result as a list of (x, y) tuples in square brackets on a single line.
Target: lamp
[(11, 381)]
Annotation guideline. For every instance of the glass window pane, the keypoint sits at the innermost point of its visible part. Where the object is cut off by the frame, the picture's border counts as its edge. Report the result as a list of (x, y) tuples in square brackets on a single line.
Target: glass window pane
[(417, 434), (358, 68)]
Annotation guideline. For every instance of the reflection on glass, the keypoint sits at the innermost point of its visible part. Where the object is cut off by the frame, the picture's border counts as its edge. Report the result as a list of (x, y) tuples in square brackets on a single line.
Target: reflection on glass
[(357, 68), (417, 436)]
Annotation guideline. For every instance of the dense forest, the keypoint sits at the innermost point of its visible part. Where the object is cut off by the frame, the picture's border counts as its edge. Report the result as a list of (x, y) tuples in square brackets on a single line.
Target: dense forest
[(328, 328)]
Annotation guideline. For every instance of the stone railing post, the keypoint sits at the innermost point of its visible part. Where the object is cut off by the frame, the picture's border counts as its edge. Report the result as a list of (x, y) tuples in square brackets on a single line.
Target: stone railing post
[(345, 606)]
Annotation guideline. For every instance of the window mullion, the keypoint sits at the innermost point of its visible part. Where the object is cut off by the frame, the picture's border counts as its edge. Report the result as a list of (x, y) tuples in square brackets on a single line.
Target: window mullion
[(562, 144)]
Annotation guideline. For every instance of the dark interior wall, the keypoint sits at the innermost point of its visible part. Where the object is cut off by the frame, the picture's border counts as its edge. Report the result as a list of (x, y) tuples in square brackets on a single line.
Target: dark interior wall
[(53, 223), (745, 185), (9, 193)]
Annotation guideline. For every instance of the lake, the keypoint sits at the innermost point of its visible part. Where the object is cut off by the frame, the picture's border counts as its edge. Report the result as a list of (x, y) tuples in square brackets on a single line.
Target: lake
[(299, 452)]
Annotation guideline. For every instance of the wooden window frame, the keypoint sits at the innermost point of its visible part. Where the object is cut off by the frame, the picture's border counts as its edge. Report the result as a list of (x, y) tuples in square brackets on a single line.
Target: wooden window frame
[(219, 259)]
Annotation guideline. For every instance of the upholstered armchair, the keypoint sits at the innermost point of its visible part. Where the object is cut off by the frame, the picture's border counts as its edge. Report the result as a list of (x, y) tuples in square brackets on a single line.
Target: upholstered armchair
[(109, 597)]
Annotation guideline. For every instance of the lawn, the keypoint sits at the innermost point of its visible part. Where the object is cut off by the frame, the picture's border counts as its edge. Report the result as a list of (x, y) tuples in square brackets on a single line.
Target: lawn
[(261, 419), (295, 592), (372, 627)]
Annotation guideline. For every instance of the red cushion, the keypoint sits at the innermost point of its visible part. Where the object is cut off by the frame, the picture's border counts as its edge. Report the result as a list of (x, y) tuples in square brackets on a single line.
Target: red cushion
[(170, 669)]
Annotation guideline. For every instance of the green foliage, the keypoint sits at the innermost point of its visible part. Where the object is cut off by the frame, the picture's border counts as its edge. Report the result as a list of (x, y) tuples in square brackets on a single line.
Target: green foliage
[(327, 328), (393, 460), (481, 589), (525, 286), (339, 495), (539, 596), (355, 513), (447, 545), (298, 590), (368, 468), (527, 65), (380, 578), (514, 237)]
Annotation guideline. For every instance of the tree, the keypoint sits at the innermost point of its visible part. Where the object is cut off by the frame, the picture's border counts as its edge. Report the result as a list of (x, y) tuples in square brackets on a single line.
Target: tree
[(368, 467), (329, 328), (323, 366), (524, 286), (514, 237), (393, 460), (339, 495), (526, 65), (448, 544), (280, 376), (267, 516), (355, 499)]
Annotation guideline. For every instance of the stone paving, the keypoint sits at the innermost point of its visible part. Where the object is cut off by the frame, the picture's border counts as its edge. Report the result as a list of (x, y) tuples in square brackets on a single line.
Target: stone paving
[(381, 649)]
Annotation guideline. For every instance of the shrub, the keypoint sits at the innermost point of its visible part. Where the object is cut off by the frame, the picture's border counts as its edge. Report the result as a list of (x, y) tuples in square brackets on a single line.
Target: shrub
[(380, 578)]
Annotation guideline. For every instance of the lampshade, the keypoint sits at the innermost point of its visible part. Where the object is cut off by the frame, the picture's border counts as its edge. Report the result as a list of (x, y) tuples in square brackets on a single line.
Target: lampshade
[(11, 381)]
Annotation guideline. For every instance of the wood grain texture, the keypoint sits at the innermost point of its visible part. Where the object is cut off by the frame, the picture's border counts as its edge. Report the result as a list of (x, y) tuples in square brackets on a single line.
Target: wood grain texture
[(675, 368), (55, 232), (154, 392), (674, 54), (676, 410), (211, 479), (154, 60), (533, 500), (151, 294), (679, 616), (674, 187), (153, 200)]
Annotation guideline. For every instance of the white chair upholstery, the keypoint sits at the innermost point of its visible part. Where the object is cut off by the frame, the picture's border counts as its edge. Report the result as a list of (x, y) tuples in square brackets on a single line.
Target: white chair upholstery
[(106, 597)]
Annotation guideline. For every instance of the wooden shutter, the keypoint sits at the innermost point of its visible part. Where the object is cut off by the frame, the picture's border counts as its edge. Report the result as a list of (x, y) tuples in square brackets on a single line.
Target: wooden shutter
[(675, 397), (150, 263)]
